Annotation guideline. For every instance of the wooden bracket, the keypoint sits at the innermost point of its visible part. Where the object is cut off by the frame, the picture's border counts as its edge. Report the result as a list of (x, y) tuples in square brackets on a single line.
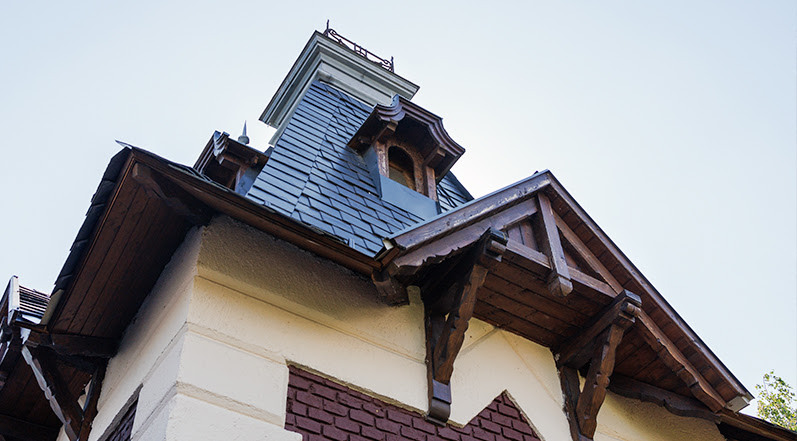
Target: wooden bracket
[(76, 419), (597, 345), (559, 278), (449, 297)]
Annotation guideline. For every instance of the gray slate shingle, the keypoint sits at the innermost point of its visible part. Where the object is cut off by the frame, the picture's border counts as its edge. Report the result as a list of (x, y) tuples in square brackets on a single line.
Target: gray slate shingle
[(314, 177)]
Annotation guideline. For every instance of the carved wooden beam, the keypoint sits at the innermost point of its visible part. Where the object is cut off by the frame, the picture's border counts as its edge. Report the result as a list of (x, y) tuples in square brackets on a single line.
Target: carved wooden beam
[(676, 404), (597, 344), (559, 278), (64, 403), (577, 350), (671, 356), (74, 345), (449, 298), (21, 430)]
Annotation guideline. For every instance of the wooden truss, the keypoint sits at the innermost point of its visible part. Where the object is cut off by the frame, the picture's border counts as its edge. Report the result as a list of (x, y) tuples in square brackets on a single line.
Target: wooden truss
[(543, 263), (595, 345), (45, 352), (449, 298)]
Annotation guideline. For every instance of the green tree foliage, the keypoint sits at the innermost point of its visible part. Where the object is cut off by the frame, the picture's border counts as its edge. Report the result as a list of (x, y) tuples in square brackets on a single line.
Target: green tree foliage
[(776, 401)]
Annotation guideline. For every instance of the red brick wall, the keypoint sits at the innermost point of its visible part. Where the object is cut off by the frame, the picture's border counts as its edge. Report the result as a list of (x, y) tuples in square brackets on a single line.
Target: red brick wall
[(321, 409)]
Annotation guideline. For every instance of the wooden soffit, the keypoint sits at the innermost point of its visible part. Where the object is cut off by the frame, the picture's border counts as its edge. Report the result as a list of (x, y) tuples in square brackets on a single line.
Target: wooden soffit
[(558, 272)]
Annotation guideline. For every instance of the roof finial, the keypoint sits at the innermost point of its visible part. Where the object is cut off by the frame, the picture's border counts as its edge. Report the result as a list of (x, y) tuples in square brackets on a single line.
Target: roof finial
[(243, 139)]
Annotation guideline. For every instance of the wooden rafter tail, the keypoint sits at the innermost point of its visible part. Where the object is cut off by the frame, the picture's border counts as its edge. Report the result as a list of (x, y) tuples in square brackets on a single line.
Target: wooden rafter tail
[(448, 309), (596, 345), (671, 356), (390, 290), (559, 282)]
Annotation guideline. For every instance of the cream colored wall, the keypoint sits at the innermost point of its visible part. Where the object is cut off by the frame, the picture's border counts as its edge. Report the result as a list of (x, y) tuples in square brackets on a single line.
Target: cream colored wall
[(213, 344)]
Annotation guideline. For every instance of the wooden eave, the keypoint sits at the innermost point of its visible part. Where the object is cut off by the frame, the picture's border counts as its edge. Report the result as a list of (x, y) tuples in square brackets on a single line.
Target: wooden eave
[(518, 294), (420, 127), (740, 427), (140, 214)]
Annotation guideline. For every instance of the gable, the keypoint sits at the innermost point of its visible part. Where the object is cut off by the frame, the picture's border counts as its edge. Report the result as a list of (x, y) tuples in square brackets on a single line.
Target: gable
[(558, 272)]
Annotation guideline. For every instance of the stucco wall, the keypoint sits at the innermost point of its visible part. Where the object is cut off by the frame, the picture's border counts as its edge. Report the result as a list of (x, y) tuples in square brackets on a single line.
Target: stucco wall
[(230, 324)]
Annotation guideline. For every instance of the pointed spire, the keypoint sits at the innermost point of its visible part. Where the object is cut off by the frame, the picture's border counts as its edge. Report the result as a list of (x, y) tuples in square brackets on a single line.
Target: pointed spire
[(243, 139)]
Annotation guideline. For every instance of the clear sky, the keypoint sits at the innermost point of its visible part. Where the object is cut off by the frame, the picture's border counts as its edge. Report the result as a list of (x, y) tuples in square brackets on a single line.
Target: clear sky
[(672, 123)]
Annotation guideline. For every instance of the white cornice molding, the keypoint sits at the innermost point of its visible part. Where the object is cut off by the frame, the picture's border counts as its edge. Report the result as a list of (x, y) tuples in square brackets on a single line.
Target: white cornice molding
[(339, 66)]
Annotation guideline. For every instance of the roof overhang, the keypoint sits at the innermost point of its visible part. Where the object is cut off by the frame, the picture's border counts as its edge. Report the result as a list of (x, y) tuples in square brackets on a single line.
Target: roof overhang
[(548, 298)]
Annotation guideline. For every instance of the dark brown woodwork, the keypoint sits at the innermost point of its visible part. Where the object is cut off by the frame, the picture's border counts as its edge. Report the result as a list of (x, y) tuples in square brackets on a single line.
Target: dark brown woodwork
[(405, 121), (676, 404), (577, 351), (591, 260), (597, 344), (631, 278), (597, 380), (21, 430), (75, 345), (90, 407), (63, 403), (559, 278), (175, 197), (449, 300), (390, 290), (740, 427), (569, 380), (412, 261), (63, 400), (668, 353)]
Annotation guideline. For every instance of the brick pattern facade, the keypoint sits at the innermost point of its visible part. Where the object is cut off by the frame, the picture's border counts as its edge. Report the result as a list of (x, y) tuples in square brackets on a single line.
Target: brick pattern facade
[(321, 409)]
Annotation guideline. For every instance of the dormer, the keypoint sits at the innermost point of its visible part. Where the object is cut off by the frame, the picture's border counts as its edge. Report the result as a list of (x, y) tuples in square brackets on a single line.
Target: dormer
[(408, 151)]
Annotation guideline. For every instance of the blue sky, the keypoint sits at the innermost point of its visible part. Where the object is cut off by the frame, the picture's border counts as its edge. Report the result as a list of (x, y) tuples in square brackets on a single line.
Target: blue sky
[(672, 123)]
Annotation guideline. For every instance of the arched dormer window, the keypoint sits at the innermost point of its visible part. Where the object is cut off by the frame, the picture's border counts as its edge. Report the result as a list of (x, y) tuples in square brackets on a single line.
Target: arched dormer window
[(400, 167)]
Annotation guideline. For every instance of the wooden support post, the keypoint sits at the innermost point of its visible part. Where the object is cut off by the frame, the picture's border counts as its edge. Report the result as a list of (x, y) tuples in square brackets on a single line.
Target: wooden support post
[(64, 403), (559, 278), (449, 300), (90, 407), (597, 344)]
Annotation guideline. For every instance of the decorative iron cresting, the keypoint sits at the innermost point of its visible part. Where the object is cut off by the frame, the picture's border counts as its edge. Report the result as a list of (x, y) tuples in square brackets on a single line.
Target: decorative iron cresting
[(365, 53)]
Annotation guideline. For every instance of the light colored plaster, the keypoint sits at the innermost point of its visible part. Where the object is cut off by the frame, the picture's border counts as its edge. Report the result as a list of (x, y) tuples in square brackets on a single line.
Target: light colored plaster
[(150, 339), (236, 306)]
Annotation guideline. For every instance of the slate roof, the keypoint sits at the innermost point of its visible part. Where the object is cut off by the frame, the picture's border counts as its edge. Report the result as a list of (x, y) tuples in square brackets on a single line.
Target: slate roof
[(314, 177)]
